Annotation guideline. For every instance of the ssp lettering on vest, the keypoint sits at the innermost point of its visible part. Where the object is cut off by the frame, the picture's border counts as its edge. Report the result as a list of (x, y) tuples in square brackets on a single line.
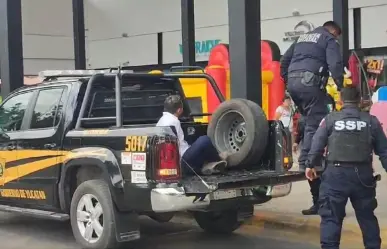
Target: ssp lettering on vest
[(350, 139), (350, 125)]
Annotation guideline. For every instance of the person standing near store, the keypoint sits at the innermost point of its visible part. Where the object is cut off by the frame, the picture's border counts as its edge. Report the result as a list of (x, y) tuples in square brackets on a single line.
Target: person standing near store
[(305, 67), (351, 136)]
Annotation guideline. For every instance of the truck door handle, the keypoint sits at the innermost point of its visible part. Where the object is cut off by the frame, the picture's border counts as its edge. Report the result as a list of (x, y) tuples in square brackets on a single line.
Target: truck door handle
[(11, 147), (50, 146)]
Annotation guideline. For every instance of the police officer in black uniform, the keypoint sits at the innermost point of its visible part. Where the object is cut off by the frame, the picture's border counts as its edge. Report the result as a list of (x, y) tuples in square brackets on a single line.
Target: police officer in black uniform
[(315, 184), (351, 136), (305, 67)]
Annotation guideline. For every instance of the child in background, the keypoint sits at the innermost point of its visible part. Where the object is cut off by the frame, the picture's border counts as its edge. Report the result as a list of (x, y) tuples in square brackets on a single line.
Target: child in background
[(284, 112)]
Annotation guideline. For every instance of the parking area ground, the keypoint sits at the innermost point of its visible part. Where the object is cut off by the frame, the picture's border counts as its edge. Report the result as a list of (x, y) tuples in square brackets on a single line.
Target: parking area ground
[(24, 232)]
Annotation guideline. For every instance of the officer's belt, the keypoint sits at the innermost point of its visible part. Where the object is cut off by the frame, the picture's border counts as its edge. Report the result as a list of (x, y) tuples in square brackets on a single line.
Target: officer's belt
[(349, 164), (307, 78), (296, 75), (300, 74)]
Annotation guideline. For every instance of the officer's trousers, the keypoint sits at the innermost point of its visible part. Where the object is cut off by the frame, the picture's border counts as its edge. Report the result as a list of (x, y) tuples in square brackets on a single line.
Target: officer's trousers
[(313, 105), (337, 185)]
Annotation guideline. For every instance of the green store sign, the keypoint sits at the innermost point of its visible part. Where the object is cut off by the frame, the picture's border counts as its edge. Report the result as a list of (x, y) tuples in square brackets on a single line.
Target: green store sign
[(203, 47)]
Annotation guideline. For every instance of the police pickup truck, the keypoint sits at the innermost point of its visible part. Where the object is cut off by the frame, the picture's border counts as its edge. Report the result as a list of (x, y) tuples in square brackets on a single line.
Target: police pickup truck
[(83, 146)]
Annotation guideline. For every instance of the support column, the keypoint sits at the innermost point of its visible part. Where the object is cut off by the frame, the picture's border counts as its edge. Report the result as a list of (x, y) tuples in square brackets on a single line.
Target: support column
[(245, 49), (79, 34), (11, 45), (188, 32), (357, 28), (340, 16)]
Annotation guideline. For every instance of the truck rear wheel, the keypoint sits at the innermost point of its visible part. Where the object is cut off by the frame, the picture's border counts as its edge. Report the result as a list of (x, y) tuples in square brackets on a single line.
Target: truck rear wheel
[(239, 126), (222, 222), (92, 215)]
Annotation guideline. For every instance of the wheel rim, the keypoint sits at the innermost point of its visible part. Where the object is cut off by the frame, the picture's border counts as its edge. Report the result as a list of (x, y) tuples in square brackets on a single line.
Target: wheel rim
[(90, 218), (230, 132)]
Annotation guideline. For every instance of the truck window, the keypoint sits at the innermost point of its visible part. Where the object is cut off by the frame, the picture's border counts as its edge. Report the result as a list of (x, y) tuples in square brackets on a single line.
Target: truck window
[(143, 105), (48, 108), (12, 111), (142, 101)]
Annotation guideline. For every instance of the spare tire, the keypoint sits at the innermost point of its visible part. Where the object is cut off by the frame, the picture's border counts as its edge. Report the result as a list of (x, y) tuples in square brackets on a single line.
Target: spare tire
[(239, 126)]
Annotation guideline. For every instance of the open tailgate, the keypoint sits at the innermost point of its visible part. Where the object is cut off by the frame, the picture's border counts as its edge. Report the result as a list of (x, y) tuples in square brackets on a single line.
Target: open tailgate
[(239, 179)]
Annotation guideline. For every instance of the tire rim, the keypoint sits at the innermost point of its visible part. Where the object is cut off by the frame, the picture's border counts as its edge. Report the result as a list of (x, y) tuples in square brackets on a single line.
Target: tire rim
[(230, 132), (90, 218)]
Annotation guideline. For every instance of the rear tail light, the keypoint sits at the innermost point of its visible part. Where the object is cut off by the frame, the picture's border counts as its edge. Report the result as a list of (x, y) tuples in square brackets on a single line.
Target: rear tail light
[(169, 162)]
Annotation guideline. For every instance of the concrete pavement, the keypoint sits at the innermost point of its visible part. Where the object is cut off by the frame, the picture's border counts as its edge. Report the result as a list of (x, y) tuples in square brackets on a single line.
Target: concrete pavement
[(18, 232), (286, 211)]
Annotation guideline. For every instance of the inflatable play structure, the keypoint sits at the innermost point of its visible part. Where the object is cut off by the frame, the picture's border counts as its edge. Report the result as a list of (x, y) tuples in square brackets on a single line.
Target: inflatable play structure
[(202, 97)]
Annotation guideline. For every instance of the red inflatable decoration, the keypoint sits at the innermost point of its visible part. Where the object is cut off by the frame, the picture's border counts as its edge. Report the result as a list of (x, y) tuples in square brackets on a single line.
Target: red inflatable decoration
[(219, 74), (273, 93)]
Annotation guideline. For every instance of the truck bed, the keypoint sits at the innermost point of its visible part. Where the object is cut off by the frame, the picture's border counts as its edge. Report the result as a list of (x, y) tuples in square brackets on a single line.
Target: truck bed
[(239, 179)]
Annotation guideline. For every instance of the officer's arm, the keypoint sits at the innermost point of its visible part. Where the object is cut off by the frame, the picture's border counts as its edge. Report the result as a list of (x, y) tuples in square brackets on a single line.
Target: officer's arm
[(335, 61), (285, 62), (379, 141), (319, 142)]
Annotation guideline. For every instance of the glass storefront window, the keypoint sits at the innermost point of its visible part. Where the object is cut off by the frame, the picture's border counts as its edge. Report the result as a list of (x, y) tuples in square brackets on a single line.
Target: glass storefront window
[(379, 63)]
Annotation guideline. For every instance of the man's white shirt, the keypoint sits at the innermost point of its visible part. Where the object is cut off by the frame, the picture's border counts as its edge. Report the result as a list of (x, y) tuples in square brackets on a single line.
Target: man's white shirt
[(168, 119)]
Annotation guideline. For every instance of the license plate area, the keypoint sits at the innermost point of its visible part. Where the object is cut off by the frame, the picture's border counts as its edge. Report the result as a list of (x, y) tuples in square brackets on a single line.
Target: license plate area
[(224, 194)]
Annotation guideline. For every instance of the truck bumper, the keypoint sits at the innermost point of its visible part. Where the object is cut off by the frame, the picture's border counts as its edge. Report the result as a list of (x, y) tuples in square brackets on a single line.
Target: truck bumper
[(176, 199), (173, 199)]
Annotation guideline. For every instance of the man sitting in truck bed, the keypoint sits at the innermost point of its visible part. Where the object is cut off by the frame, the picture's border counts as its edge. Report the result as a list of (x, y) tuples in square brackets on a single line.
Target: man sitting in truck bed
[(201, 156)]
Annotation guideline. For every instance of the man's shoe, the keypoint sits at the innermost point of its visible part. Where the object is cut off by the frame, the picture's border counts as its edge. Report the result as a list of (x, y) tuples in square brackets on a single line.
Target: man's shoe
[(225, 155), (313, 210), (214, 167)]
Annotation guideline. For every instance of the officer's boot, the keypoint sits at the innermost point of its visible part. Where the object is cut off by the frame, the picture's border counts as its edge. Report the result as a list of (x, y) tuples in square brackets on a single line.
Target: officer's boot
[(312, 210), (314, 189)]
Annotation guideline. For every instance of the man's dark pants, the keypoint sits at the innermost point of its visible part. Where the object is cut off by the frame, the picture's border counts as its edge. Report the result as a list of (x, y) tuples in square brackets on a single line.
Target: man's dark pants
[(337, 185), (200, 152), (312, 101)]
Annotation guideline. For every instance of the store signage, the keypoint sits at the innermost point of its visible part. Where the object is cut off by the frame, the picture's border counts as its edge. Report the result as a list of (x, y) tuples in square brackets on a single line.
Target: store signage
[(374, 66), (301, 28), (202, 47)]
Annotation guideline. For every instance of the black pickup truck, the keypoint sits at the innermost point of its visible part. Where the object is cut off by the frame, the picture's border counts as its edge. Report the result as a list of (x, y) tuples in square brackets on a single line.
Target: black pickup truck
[(83, 146)]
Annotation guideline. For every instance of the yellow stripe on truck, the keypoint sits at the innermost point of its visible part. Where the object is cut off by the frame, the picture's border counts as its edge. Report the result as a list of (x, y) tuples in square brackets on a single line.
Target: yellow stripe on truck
[(25, 154), (14, 173), (59, 157)]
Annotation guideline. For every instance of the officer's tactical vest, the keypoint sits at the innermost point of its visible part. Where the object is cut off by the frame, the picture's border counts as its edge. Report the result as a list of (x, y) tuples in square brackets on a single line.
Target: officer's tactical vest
[(350, 140)]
